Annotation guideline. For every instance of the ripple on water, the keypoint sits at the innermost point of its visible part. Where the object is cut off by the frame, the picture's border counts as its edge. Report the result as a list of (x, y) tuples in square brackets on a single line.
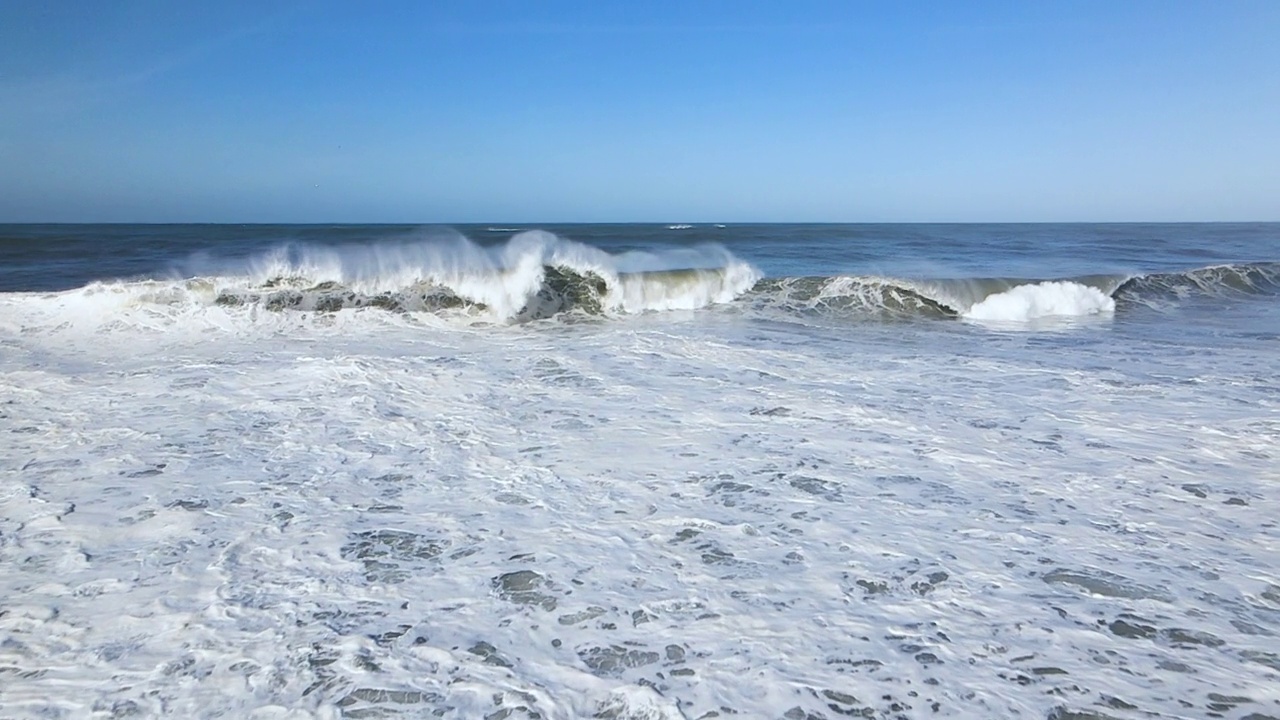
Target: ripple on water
[(1106, 584)]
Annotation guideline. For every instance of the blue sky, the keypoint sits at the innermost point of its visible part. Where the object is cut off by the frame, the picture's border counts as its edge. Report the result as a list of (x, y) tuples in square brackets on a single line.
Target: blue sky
[(427, 112)]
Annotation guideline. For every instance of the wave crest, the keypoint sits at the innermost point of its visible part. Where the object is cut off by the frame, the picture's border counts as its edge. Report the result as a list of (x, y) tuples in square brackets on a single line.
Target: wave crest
[(537, 275), (532, 276), (1008, 299), (1214, 281), (998, 299)]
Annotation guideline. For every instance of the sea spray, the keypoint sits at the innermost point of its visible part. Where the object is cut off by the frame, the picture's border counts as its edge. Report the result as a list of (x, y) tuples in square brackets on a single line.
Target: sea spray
[(1048, 299)]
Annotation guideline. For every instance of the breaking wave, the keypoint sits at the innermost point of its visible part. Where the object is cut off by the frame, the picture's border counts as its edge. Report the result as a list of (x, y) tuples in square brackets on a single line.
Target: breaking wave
[(531, 293), (1010, 299), (534, 275), (989, 299), (537, 275)]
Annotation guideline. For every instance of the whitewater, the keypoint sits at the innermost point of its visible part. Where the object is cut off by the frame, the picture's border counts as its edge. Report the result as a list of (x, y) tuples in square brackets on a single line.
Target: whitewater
[(667, 471)]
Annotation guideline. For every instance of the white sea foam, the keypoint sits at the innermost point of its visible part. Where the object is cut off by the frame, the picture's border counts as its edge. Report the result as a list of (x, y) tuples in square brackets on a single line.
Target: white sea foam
[(1041, 300), (214, 510)]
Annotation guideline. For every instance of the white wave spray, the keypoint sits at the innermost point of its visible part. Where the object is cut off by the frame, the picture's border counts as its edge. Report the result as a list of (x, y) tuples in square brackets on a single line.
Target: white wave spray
[(509, 282), (1059, 298)]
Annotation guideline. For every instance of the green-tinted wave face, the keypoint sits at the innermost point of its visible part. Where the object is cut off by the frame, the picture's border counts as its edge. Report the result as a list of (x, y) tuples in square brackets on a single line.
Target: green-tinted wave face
[(847, 296)]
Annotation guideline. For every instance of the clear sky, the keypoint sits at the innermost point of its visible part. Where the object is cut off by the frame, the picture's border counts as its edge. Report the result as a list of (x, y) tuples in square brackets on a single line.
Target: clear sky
[(542, 111)]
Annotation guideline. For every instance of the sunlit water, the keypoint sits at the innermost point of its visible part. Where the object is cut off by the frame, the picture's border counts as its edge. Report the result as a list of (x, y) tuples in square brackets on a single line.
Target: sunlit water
[(806, 472)]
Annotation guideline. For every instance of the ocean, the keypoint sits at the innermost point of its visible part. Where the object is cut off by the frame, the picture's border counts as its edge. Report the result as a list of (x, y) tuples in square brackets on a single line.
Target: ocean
[(640, 471)]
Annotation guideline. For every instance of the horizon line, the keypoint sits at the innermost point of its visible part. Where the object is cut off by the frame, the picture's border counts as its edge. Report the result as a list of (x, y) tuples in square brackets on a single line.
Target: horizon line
[(524, 224)]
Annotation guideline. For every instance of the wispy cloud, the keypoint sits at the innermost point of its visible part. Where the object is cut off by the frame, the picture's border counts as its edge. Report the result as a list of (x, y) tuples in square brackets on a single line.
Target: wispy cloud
[(568, 28), (28, 99)]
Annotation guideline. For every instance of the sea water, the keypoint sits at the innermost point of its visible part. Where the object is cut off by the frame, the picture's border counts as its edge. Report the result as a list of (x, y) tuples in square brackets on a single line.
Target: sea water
[(640, 471)]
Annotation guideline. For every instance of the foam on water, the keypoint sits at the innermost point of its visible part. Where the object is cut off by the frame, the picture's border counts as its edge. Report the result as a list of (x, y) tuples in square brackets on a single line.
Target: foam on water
[(1047, 299), (359, 514)]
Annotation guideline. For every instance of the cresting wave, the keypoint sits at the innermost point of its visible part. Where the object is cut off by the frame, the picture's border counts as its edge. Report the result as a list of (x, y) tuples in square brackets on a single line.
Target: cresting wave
[(1009, 299), (537, 275), (982, 299)]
